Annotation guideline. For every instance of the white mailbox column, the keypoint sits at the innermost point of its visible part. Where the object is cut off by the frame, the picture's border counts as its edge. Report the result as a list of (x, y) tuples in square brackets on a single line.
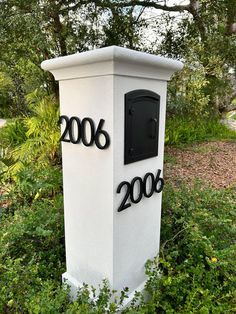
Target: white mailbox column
[(112, 84)]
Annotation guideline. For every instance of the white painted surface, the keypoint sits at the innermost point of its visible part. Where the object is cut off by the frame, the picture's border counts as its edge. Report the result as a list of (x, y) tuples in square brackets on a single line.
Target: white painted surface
[(101, 242), (112, 61)]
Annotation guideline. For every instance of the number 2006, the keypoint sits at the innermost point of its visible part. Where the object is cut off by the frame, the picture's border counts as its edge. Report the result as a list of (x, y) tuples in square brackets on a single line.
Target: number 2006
[(156, 185), (74, 123)]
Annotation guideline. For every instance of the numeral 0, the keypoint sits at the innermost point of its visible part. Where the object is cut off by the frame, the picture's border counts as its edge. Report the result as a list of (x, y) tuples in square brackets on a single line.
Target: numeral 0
[(71, 130), (132, 186), (156, 185), (95, 135)]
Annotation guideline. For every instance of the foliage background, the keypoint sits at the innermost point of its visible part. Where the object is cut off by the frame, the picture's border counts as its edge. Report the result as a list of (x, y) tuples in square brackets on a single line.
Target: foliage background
[(201, 33)]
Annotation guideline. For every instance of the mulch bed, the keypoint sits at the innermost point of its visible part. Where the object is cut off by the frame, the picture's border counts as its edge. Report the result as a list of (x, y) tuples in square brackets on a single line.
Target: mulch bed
[(211, 163)]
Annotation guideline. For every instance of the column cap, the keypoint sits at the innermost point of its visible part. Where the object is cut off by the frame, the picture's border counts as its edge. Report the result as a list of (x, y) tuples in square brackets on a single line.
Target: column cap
[(112, 60)]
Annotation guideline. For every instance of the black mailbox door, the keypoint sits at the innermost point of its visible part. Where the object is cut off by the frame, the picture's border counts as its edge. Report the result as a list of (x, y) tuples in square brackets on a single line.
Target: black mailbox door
[(142, 109)]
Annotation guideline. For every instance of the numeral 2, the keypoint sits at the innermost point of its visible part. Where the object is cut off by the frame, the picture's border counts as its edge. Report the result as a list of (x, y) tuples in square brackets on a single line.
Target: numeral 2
[(123, 205), (64, 134)]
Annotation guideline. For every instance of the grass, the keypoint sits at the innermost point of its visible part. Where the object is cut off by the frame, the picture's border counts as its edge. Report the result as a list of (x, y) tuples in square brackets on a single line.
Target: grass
[(203, 149), (170, 159), (181, 130)]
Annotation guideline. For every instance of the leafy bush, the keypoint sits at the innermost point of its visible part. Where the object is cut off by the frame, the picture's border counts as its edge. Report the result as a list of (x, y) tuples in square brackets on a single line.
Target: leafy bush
[(204, 86), (31, 183), (187, 130), (31, 253), (186, 92), (196, 272), (13, 134), (34, 139), (6, 87), (29, 151), (42, 133)]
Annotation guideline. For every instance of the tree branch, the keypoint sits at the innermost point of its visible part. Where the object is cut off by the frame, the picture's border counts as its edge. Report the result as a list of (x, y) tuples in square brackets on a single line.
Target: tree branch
[(130, 3), (140, 14), (147, 4)]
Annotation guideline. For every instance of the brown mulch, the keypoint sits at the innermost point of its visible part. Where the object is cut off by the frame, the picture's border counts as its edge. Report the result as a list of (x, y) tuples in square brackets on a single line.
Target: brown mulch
[(212, 163)]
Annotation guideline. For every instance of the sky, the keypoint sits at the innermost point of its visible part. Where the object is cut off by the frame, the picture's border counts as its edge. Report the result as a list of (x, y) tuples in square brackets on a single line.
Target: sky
[(152, 17)]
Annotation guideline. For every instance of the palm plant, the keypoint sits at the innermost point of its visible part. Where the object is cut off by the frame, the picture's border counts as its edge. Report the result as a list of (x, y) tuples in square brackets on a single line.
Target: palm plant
[(34, 138)]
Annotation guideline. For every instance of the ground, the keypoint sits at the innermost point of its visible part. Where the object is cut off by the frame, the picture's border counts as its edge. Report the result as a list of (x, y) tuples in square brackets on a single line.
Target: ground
[(211, 163)]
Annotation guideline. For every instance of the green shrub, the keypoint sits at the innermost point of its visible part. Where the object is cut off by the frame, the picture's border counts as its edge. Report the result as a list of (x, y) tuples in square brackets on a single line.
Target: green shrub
[(34, 139), (182, 130), (203, 87), (196, 271), (31, 183), (31, 254), (34, 234), (29, 153), (13, 134), (42, 135), (186, 91), (6, 87)]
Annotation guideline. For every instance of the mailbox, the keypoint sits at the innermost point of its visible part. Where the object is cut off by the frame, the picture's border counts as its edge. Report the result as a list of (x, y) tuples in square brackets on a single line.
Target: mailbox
[(112, 104), (141, 125)]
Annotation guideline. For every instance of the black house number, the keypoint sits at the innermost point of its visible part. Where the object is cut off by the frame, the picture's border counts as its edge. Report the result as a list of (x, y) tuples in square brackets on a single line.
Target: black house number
[(74, 123), (156, 185)]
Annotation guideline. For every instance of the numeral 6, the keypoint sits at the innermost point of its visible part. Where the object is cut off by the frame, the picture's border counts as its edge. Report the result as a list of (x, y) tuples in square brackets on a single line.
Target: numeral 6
[(159, 182), (100, 132)]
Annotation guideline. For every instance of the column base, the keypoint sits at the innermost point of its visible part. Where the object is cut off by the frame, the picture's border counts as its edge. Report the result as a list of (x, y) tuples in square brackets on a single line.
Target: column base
[(72, 283), (75, 285), (127, 301)]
